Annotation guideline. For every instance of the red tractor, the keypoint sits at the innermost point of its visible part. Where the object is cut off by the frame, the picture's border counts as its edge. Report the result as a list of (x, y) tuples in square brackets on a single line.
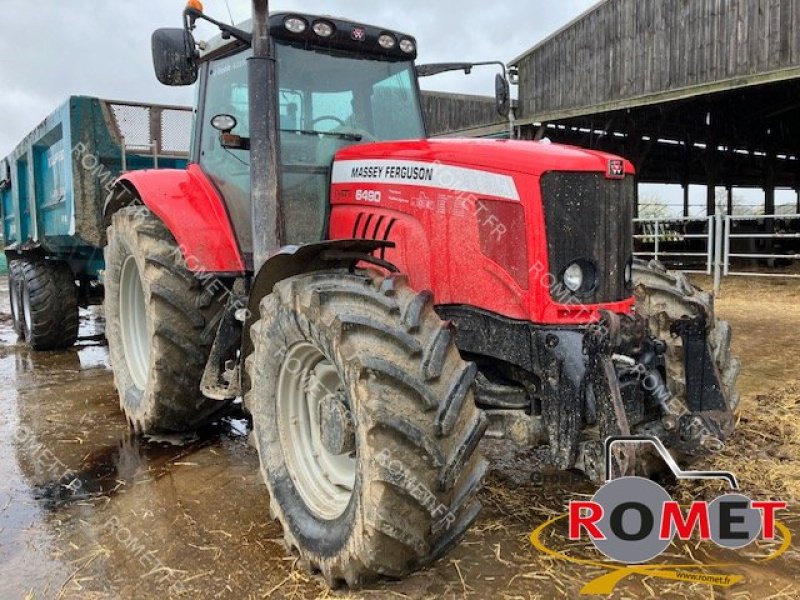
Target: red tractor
[(383, 301)]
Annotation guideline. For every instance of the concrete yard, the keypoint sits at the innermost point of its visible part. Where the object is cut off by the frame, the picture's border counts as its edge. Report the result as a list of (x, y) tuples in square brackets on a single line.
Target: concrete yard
[(189, 518)]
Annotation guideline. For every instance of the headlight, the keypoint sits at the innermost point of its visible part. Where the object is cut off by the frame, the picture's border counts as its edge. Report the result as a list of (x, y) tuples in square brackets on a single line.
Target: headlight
[(387, 41), (295, 24), (580, 277), (407, 46), (323, 29), (573, 277)]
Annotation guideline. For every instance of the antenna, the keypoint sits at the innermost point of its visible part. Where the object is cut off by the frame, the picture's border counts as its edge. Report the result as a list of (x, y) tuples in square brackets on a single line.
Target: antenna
[(230, 14)]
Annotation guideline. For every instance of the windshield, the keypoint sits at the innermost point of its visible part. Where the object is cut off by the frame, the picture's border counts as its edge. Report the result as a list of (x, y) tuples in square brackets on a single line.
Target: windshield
[(326, 102), (345, 95)]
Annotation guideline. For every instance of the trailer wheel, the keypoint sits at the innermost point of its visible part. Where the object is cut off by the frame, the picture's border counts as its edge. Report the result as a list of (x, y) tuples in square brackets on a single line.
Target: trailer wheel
[(15, 297), (664, 297), (160, 324), (47, 304), (365, 424)]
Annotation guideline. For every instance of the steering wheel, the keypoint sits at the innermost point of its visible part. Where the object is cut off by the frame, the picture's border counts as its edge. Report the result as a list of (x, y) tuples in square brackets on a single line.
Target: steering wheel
[(328, 118)]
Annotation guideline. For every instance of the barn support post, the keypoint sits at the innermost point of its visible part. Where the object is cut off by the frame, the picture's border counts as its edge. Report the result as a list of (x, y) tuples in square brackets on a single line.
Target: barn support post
[(685, 178), (769, 187), (730, 199), (711, 194), (712, 171), (797, 192), (685, 199)]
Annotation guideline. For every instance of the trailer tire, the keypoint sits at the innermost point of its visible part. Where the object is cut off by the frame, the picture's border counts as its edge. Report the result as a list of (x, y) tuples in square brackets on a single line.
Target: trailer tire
[(408, 436), (160, 325), (49, 304), (15, 297), (664, 297)]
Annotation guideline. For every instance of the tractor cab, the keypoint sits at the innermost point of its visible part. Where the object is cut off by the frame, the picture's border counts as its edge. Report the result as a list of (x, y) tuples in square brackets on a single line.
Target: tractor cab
[(338, 83)]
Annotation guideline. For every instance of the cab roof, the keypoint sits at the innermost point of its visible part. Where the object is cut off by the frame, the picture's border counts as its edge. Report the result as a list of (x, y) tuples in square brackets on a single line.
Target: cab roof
[(348, 35)]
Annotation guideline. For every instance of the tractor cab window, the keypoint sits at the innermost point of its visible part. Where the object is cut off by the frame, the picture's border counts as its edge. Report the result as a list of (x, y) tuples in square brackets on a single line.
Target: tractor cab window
[(226, 93), (328, 101)]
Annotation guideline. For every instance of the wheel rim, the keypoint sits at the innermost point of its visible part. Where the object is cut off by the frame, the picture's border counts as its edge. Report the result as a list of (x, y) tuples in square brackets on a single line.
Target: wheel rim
[(324, 480), (14, 293), (27, 314), (133, 323)]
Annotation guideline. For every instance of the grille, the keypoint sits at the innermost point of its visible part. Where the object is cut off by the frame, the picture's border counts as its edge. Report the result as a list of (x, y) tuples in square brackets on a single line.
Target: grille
[(590, 218)]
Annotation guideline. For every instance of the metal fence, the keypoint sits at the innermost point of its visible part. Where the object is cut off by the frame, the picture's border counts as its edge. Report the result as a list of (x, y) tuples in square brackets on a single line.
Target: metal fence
[(777, 232), (673, 239), (710, 245)]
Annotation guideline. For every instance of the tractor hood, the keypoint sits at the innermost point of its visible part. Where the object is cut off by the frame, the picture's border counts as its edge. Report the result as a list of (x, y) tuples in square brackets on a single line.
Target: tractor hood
[(532, 158), (501, 218)]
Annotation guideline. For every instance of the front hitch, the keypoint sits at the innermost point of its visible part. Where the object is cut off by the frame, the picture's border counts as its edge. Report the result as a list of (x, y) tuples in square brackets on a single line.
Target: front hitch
[(599, 344)]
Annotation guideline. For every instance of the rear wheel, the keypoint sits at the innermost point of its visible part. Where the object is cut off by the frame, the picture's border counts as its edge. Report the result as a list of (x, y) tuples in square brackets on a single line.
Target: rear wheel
[(160, 324), (47, 303), (365, 424)]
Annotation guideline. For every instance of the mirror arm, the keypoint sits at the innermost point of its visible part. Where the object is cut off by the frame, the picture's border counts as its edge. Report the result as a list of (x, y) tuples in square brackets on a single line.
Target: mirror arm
[(191, 15), (437, 68)]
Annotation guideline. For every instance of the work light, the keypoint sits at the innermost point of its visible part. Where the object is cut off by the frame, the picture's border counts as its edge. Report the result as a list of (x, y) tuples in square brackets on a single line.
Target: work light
[(323, 29), (387, 41), (407, 46), (295, 24)]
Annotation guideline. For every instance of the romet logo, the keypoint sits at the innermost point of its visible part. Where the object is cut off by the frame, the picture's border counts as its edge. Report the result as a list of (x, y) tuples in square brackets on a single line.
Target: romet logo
[(632, 520)]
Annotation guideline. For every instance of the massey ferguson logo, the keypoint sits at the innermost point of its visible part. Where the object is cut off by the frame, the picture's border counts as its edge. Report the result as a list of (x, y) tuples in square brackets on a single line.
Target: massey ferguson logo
[(359, 34), (616, 169), (633, 521)]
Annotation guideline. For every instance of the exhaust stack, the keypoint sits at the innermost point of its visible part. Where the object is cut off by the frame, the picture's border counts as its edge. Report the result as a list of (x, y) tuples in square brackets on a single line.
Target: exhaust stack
[(265, 212)]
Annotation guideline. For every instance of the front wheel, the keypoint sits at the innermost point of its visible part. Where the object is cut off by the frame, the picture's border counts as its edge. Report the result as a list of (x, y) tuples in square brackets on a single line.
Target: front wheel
[(664, 297), (365, 424)]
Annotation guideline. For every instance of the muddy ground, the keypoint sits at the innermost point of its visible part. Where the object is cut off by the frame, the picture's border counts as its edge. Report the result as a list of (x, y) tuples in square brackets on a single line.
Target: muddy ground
[(151, 518)]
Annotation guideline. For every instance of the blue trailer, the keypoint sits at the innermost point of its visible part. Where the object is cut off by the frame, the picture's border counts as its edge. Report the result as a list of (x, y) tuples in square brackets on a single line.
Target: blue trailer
[(53, 188)]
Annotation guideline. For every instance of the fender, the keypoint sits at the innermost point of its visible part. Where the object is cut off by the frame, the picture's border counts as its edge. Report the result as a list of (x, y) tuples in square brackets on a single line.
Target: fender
[(297, 260), (191, 208)]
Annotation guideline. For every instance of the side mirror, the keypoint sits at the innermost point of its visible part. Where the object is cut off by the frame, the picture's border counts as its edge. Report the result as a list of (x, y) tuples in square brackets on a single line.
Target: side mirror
[(174, 56), (502, 95)]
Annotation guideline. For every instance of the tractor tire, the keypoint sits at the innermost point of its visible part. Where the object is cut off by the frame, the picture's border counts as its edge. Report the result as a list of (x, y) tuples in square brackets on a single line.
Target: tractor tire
[(664, 297), (160, 325), (48, 300), (15, 297), (374, 472)]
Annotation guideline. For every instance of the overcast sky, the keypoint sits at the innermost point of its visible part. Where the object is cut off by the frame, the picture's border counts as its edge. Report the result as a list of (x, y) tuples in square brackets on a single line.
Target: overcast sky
[(52, 49)]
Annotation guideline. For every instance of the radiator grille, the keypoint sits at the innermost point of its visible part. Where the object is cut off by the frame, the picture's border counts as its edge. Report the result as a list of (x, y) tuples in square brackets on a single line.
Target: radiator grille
[(590, 218)]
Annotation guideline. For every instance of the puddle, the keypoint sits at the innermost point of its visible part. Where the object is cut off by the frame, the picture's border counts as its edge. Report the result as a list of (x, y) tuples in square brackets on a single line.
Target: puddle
[(134, 460)]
